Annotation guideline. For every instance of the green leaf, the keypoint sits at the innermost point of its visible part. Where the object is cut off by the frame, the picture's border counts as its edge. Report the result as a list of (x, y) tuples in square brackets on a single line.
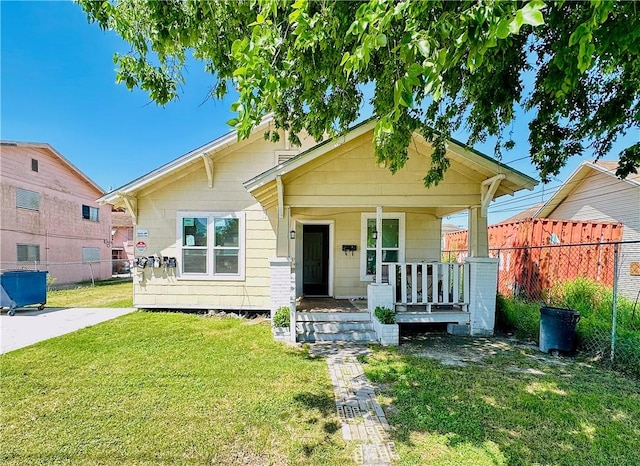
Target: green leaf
[(233, 122), (294, 15), (585, 55), (345, 57), (381, 40), (577, 34), (531, 13), (423, 48), (414, 70), (504, 29)]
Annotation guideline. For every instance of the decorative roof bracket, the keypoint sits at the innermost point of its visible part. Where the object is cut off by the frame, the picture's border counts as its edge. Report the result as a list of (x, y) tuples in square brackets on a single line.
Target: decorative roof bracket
[(488, 189), (208, 166), (131, 203), (280, 188)]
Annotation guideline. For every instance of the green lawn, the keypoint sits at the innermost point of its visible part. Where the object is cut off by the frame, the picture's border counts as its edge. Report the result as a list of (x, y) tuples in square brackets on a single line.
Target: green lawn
[(168, 388), (108, 293), (514, 406)]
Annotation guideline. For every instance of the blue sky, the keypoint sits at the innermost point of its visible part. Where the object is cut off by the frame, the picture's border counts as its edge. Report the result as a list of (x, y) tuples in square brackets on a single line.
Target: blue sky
[(58, 86)]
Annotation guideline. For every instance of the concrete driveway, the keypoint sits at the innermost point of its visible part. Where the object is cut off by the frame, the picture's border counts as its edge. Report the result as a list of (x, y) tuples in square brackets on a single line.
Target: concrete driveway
[(30, 326)]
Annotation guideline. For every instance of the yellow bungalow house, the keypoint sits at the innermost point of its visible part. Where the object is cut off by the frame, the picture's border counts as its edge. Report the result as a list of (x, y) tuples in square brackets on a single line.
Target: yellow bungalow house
[(254, 225)]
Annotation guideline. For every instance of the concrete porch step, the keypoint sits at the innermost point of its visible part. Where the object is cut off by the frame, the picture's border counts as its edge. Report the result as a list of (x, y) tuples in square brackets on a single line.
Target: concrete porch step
[(328, 327), (356, 335), (333, 316)]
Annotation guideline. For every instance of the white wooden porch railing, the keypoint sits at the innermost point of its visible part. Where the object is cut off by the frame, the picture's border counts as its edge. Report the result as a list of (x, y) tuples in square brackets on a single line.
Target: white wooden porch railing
[(428, 283)]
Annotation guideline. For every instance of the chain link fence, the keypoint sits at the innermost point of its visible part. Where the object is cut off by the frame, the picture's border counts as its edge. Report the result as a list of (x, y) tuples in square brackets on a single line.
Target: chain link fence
[(600, 280), (65, 274)]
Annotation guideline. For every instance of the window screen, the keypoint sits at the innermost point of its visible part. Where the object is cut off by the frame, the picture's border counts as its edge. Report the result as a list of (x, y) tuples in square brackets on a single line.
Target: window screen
[(26, 199), (28, 252)]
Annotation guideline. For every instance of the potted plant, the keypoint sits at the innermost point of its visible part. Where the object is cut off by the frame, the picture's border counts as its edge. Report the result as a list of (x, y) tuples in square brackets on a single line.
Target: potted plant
[(384, 323), (281, 323)]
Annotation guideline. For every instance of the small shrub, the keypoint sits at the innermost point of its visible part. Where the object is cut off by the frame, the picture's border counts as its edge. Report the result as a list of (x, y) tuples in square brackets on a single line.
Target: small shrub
[(282, 317), (385, 315)]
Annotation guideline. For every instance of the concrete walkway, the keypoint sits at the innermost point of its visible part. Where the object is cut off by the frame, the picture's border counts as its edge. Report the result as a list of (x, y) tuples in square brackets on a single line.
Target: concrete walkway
[(363, 420), (30, 325)]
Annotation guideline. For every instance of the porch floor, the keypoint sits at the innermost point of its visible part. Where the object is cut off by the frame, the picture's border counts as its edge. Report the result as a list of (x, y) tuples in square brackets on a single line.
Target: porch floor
[(331, 305)]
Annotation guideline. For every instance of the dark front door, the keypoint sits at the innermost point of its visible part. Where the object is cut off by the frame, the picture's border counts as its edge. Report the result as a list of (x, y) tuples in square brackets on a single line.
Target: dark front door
[(315, 260)]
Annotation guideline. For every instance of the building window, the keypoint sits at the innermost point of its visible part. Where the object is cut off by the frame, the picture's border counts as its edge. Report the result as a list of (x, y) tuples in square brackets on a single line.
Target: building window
[(90, 254), (28, 252), (392, 234), (34, 165), (212, 245), (26, 199), (90, 213)]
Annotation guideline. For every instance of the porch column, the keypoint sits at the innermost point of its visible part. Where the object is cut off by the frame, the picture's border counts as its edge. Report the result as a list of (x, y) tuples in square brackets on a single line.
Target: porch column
[(379, 245), (282, 233), (478, 233), (483, 286)]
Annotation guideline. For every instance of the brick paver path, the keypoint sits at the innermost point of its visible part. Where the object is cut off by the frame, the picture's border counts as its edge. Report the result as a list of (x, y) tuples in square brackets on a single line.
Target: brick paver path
[(363, 420)]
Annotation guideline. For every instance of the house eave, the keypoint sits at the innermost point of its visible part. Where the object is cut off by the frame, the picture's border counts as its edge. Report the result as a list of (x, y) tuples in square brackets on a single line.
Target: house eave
[(62, 158), (307, 156), (182, 161), (571, 183)]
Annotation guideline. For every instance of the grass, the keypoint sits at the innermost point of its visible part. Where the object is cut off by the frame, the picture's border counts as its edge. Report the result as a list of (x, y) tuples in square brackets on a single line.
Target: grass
[(168, 388), (108, 293), (514, 407)]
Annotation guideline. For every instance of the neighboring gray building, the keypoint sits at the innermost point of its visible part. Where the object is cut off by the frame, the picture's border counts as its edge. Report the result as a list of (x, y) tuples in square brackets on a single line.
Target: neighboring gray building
[(593, 192)]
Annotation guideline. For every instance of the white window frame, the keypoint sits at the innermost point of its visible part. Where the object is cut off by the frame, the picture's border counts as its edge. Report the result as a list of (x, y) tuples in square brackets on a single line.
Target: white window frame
[(211, 247), (365, 216)]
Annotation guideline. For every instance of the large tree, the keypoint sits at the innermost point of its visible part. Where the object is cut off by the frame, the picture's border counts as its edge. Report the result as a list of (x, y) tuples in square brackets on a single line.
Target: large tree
[(435, 66)]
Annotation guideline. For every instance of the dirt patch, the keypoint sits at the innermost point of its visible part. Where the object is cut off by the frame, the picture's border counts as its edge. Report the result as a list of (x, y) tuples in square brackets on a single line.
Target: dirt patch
[(463, 351)]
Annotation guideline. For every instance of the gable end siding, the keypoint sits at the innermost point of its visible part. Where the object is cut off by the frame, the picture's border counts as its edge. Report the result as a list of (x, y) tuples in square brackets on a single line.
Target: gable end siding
[(603, 198)]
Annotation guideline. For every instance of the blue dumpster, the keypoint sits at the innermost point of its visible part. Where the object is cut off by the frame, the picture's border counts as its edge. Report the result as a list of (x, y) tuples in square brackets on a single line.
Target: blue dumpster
[(23, 288), (557, 329)]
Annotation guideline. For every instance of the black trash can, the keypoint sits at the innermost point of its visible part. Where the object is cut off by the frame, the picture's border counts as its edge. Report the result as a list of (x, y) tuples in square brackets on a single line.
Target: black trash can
[(557, 329)]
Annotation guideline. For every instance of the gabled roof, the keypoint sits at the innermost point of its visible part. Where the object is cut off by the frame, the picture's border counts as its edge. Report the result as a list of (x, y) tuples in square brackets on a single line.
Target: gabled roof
[(586, 168), (182, 161), (58, 155), (514, 178)]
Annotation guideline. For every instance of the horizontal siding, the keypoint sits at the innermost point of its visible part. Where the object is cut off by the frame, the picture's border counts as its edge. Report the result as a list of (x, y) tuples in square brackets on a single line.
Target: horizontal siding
[(157, 212), (350, 176), (602, 197), (422, 242)]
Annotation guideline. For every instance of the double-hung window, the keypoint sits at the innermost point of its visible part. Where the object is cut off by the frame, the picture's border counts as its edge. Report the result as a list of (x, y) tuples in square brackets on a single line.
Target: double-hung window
[(212, 245), (392, 235)]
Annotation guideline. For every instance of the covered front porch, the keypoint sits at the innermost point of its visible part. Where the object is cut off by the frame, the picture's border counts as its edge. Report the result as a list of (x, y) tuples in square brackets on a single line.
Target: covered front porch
[(346, 228)]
